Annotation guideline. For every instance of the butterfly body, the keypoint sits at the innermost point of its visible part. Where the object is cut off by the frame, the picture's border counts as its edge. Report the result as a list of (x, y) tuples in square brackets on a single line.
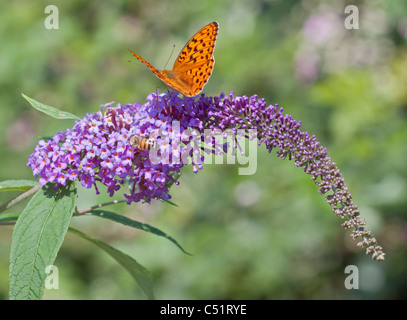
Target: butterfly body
[(194, 64)]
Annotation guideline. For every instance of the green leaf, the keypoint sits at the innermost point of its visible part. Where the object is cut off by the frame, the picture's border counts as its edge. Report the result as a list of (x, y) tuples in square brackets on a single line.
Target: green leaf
[(37, 237), (17, 185), (12, 216), (138, 272), (135, 224), (170, 202), (51, 111)]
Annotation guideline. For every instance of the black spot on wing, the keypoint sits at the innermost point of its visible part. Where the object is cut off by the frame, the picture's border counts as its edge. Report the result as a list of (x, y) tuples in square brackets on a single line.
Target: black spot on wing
[(204, 38)]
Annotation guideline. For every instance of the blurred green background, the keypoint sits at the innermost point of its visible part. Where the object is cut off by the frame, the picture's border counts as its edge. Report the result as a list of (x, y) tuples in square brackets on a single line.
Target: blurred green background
[(265, 236)]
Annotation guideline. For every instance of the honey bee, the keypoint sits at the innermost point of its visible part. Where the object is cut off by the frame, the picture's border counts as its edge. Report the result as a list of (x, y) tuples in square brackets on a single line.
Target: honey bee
[(143, 143)]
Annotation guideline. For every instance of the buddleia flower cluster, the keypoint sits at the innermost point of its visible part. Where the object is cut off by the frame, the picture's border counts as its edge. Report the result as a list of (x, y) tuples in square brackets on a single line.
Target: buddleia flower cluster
[(97, 150)]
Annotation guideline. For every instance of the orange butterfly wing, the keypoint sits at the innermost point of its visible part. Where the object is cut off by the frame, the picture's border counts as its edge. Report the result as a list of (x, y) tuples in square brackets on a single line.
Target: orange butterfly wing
[(194, 64)]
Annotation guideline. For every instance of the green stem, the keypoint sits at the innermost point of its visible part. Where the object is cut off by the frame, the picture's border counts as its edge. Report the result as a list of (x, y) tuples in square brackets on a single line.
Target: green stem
[(81, 212), (6, 205)]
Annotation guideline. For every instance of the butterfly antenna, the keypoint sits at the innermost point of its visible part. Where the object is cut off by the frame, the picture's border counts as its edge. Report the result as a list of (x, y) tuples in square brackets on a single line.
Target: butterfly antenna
[(173, 47)]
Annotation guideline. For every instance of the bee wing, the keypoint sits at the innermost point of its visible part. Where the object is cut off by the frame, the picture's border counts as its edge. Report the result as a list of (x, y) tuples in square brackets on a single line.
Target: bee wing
[(154, 135)]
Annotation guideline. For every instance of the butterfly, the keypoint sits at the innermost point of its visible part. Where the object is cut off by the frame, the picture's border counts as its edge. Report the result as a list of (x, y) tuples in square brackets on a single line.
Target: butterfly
[(194, 64)]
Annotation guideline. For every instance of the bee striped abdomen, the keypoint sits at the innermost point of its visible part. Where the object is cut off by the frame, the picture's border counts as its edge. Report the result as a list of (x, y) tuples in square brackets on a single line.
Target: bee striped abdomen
[(142, 143)]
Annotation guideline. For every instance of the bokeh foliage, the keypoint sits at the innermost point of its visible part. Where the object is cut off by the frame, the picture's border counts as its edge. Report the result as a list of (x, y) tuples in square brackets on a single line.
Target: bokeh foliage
[(265, 236)]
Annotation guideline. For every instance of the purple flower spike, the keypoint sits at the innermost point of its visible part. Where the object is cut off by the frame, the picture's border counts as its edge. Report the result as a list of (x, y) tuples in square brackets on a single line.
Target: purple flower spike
[(147, 145)]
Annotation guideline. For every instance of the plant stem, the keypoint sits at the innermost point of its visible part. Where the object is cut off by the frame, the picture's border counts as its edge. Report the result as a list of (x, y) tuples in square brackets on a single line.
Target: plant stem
[(6, 205), (78, 213)]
